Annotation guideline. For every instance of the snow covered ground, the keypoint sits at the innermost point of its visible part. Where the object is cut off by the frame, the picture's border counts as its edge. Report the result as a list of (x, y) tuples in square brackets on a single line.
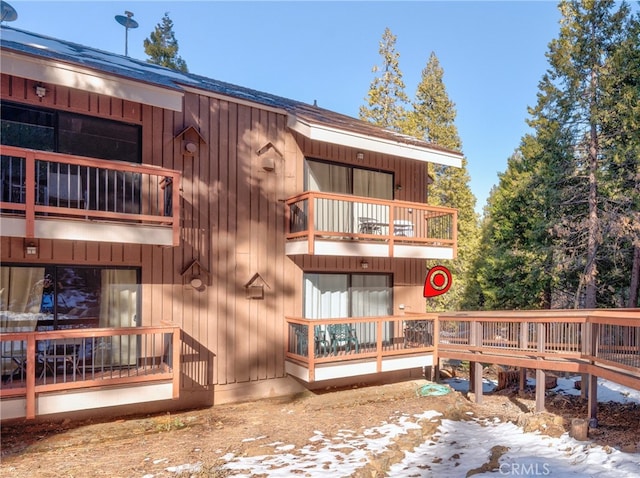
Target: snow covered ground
[(456, 448)]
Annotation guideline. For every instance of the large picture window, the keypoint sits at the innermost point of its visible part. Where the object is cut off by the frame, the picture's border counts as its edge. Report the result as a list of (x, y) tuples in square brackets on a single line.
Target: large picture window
[(70, 133), (64, 297)]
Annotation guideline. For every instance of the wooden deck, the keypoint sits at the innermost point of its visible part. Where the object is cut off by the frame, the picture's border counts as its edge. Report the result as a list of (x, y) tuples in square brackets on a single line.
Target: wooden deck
[(597, 343), (87, 359)]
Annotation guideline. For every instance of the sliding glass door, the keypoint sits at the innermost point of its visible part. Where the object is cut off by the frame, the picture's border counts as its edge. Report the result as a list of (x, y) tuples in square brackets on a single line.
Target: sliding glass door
[(70, 297), (347, 216), (329, 296)]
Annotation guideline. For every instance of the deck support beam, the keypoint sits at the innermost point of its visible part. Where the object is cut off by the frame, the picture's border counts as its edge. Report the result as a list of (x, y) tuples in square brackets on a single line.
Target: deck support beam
[(540, 389), (592, 399), (475, 371)]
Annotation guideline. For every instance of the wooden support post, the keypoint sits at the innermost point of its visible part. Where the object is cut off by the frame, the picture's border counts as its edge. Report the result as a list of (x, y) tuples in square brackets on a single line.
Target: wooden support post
[(584, 385), (475, 369), (540, 389), (593, 400), (523, 379)]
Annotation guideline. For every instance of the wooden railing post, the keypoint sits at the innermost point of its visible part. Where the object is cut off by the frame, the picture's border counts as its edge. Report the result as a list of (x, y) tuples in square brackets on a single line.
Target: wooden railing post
[(540, 374), (475, 368), (30, 377), (30, 194), (176, 366)]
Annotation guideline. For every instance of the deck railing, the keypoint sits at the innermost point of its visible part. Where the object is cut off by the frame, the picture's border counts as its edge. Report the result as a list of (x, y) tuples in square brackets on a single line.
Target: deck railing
[(38, 184), (599, 341), (321, 216), (324, 341), (38, 362), (606, 343)]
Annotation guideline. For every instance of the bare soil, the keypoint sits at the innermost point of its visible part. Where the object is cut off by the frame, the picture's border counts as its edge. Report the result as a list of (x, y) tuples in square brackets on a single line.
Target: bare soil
[(139, 446)]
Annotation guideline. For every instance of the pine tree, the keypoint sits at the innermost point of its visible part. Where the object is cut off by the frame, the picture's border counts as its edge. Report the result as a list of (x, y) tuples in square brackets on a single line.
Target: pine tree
[(162, 46), (576, 102), (433, 119), (386, 99), (563, 225)]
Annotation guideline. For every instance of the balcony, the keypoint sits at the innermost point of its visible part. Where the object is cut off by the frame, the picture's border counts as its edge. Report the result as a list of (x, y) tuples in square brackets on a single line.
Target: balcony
[(325, 349), (328, 224), (79, 369), (57, 196)]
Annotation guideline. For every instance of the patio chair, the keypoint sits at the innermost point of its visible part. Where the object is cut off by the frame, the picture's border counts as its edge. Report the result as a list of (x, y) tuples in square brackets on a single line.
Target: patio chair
[(342, 335), (320, 341)]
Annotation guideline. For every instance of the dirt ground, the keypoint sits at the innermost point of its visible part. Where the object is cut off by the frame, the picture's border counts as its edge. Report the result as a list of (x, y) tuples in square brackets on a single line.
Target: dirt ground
[(139, 446)]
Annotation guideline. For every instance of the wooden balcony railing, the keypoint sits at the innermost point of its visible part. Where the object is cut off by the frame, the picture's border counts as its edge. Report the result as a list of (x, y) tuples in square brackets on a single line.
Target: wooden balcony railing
[(39, 362), (314, 342), (39, 185), (317, 216), (602, 342)]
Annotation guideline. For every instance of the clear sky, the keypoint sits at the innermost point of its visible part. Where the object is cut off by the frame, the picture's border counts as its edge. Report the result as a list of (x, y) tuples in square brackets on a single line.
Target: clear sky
[(492, 53)]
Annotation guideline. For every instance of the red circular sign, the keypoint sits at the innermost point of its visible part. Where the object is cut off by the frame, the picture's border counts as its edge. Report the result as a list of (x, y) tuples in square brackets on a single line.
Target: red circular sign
[(437, 282)]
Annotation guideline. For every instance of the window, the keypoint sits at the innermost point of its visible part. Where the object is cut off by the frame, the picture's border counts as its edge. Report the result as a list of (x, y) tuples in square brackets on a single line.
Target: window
[(64, 297), (337, 215), (71, 133), (335, 178), (65, 185)]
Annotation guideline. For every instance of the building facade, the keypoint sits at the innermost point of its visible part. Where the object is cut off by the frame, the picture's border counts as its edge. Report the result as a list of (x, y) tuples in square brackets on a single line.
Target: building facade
[(135, 196)]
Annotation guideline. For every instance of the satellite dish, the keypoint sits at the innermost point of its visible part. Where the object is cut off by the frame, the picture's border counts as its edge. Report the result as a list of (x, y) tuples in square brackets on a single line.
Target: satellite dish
[(7, 12), (127, 22)]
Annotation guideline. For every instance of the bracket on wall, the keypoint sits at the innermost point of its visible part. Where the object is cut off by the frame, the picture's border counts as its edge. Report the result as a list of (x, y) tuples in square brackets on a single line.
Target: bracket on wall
[(191, 138), (198, 273), (255, 287)]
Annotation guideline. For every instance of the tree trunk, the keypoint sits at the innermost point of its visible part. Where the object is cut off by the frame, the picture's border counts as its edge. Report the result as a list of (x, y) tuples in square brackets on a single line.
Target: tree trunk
[(591, 268), (635, 279)]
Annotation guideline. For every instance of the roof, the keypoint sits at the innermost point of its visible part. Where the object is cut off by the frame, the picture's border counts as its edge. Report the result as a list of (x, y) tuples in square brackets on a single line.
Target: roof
[(92, 69)]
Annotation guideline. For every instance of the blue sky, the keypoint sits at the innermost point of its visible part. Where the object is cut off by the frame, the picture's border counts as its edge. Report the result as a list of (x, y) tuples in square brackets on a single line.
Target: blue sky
[(492, 53)]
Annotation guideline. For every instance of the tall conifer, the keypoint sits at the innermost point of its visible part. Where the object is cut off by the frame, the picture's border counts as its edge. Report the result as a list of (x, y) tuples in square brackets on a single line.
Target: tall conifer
[(386, 99), (162, 46)]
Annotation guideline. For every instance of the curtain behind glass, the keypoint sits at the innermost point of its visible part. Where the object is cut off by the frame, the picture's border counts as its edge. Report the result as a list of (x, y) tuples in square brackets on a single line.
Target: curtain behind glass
[(21, 289), (328, 178), (370, 296), (372, 184), (325, 296), (118, 308)]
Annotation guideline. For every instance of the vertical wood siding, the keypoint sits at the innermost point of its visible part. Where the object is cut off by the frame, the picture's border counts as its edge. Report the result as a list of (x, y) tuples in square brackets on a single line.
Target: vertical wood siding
[(233, 224)]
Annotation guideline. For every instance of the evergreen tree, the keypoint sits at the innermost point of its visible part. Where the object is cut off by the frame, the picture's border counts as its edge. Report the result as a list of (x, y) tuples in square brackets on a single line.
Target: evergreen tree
[(433, 119), (386, 99), (162, 46), (577, 101), (563, 226), (512, 267)]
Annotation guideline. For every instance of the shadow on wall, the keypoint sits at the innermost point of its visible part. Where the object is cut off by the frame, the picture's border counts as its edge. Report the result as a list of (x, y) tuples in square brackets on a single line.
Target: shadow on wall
[(196, 365)]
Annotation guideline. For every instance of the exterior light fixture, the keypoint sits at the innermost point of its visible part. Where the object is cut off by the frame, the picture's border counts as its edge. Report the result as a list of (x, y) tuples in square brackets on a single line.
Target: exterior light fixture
[(359, 156), (41, 91), (31, 249), (364, 264)]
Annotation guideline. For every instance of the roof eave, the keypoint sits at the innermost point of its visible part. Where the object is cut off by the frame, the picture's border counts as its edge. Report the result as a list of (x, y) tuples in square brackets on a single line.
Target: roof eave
[(327, 134), (87, 79)]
